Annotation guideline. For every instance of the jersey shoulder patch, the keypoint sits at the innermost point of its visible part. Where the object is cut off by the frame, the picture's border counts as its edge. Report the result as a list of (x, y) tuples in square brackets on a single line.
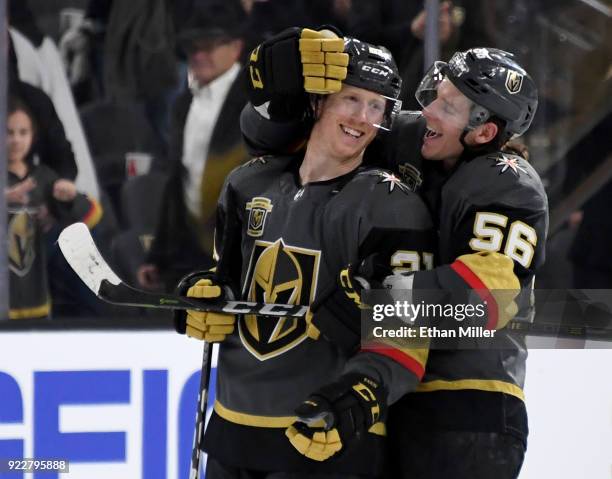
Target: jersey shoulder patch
[(497, 178), (507, 162), (386, 179)]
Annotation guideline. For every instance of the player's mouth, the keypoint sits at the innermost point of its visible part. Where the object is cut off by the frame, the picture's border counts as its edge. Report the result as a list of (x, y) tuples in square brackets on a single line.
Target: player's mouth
[(430, 134), (351, 132)]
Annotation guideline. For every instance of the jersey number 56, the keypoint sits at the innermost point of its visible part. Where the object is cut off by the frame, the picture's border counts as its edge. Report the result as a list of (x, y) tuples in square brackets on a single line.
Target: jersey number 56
[(489, 231)]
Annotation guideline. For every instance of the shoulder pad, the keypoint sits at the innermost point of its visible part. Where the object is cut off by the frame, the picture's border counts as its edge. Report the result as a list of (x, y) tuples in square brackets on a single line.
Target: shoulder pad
[(508, 162), (509, 179), (261, 168), (499, 168), (257, 161)]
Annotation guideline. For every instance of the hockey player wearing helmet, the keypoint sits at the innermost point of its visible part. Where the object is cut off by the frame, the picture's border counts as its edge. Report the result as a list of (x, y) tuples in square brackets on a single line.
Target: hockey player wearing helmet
[(480, 98), (298, 398), (468, 418)]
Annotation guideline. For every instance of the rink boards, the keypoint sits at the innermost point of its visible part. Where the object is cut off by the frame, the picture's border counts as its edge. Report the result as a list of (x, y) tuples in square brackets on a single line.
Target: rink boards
[(122, 405)]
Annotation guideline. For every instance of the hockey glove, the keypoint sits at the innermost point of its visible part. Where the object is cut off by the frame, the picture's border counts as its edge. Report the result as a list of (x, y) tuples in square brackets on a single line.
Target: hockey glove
[(490, 275), (204, 325), (336, 314), (348, 408), (294, 61)]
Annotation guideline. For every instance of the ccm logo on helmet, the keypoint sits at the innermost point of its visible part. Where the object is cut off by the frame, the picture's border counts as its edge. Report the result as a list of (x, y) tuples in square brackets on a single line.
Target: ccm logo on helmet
[(375, 70)]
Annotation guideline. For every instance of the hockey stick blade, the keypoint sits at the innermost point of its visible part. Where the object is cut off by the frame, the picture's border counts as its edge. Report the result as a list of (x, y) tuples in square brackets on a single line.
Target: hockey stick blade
[(84, 258)]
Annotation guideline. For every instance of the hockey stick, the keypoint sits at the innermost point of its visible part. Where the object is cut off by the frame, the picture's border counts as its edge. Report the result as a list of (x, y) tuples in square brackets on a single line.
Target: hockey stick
[(84, 258), (196, 452)]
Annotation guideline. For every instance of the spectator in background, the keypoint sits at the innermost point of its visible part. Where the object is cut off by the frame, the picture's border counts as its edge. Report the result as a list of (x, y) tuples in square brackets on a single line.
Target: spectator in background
[(83, 42), (400, 26), (40, 203), (139, 56), (205, 142), (268, 17), (38, 62), (51, 145)]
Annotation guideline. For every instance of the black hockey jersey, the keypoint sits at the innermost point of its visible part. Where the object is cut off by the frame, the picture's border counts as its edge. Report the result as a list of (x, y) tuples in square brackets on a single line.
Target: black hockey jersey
[(497, 203), (492, 203), (28, 284), (278, 241)]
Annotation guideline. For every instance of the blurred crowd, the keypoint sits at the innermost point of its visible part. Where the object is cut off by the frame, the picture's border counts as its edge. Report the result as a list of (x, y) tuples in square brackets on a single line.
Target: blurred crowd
[(125, 115)]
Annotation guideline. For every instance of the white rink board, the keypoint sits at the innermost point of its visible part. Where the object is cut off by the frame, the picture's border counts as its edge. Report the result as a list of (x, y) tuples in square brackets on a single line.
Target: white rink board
[(130, 354), (569, 398), (569, 401)]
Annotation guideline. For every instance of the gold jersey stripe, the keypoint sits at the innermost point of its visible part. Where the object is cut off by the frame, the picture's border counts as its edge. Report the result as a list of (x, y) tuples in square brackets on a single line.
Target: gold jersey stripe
[(36, 312), (253, 420), (276, 421), (490, 385)]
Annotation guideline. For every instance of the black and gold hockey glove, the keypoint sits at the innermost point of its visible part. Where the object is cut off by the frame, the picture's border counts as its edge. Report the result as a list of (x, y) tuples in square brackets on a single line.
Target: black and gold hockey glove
[(296, 61), (348, 409), (336, 313), (204, 325)]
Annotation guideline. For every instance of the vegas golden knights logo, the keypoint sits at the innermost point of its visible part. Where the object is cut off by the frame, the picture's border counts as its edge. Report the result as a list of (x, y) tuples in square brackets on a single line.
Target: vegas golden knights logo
[(514, 81), (258, 208), (284, 274), (22, 242)]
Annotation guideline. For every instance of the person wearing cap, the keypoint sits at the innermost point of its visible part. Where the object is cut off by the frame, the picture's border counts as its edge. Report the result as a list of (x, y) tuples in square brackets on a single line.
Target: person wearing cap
[(298, 397), (468, 417), (205, 142)]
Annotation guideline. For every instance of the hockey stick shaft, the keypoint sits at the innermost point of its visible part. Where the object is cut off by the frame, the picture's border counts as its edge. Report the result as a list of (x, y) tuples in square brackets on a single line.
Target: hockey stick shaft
[(196, 453), (125, 295)]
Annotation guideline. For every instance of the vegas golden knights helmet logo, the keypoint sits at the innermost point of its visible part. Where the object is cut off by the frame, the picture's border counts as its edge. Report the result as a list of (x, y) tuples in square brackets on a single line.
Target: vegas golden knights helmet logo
[(22, 242), (514, 81), (277, 274)]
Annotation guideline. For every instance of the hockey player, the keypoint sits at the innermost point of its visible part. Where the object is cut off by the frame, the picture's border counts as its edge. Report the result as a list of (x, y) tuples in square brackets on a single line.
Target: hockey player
[(483, 200), (488, 200), (293, 396)]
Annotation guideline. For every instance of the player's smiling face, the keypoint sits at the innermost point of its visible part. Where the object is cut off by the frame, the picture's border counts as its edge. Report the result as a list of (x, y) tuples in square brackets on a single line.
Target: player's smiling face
[(446, 116), (347, 121)]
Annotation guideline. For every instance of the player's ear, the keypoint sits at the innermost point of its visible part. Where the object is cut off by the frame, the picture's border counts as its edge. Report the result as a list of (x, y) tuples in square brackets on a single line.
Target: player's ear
[(316, 104), (485, 133)]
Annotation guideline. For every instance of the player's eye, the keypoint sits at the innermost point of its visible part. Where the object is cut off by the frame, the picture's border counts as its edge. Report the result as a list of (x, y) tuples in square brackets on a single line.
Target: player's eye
[(377, 106)]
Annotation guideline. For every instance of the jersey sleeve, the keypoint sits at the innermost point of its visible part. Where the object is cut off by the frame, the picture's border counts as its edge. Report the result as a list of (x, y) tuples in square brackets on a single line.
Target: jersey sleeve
[(228, 235), (507, 219), (264, 136), (397, 227)]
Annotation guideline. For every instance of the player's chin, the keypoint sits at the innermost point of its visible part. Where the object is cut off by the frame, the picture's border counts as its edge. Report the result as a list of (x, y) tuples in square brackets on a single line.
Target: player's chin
[(428, 152)]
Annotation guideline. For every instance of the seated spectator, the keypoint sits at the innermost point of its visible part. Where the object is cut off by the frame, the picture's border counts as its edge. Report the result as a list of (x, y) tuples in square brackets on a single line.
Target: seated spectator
[(40, 203), (205, 143)]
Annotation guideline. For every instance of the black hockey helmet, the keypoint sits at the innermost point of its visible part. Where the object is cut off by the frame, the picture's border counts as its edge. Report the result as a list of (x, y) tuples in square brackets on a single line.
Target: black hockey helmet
[(373, 68), (496, 84)]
